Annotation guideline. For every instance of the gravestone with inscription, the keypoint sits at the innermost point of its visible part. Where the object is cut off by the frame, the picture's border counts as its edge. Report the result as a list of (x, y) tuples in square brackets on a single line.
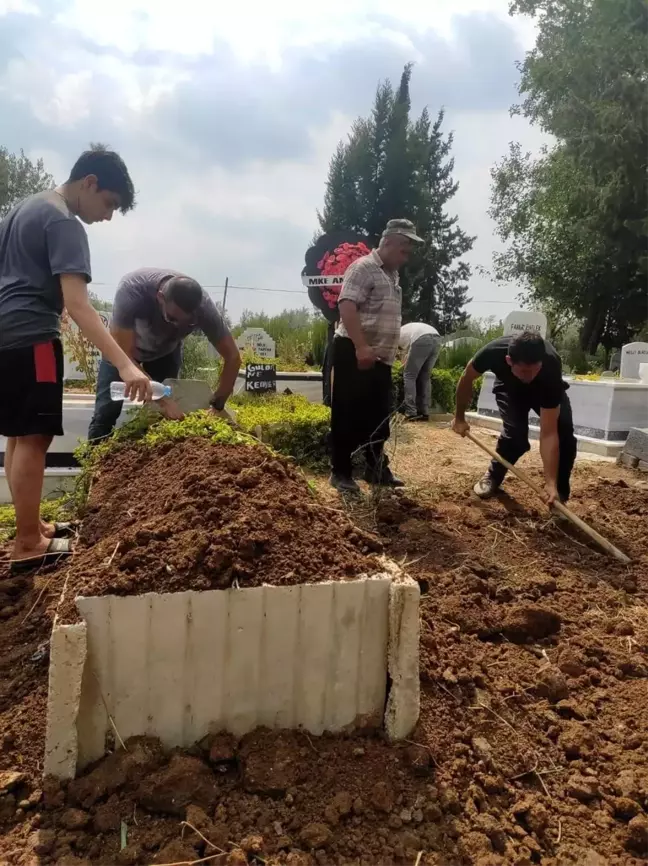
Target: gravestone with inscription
[(258, 341), (261, 378), (525, 320), (633, 354)]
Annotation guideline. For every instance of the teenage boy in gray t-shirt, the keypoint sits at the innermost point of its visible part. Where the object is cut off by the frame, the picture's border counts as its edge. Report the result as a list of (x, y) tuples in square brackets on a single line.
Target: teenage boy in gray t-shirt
[(154, 310), (44, 267)]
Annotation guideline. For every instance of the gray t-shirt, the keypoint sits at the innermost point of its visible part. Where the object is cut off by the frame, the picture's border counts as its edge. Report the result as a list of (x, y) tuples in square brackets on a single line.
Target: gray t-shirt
[(137, 309), (40, 239)]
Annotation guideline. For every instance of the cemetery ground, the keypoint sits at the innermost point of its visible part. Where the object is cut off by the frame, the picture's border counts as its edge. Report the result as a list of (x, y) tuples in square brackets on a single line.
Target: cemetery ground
[(532, 744)]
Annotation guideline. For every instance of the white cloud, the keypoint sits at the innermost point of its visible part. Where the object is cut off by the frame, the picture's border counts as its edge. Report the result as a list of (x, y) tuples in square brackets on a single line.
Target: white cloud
[(249, 220)]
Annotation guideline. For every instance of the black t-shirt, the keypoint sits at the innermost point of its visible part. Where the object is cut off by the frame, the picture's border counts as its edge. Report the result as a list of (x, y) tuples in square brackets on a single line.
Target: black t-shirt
[(544, 392)]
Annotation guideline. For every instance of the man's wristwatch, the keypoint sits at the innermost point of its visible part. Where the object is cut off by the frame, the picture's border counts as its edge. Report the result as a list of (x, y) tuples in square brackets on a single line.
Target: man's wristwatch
[(218, 403)]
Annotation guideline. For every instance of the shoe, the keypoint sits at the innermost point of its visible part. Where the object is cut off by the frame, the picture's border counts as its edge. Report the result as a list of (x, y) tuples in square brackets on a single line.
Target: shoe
[(343, 483), (486, 487), (384, 478), (414, 417), (57, 550)]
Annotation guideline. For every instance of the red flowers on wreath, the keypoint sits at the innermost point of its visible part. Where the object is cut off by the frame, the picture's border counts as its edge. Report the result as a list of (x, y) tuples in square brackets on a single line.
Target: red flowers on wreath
[(335, 264)]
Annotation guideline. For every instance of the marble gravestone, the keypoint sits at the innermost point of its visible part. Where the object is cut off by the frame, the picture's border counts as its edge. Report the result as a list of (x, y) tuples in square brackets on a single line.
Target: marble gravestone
[(525, 320), (633, 354)]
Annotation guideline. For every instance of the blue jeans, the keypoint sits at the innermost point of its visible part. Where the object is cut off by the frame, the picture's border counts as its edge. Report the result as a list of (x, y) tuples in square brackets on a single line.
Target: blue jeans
[(106, 410)]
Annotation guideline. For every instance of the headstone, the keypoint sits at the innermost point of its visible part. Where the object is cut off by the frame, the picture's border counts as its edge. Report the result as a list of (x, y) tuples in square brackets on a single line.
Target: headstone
[(615, 361), (633, 354), (258, 341), (525, 320), (260, 378), (636, 445)]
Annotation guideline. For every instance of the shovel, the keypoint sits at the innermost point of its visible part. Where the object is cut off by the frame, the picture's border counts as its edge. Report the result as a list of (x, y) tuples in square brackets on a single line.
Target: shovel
[(562, 509)]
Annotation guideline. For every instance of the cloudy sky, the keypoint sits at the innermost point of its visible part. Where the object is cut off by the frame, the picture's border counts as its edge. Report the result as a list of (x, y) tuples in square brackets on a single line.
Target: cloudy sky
[(227, 118)]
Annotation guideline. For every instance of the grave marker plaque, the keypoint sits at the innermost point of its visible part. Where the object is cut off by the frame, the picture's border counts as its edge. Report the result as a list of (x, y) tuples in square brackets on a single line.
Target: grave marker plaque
[(261, 378)]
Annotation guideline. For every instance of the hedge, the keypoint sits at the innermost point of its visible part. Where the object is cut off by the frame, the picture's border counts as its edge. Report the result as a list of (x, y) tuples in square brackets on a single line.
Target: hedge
[(288, 423)]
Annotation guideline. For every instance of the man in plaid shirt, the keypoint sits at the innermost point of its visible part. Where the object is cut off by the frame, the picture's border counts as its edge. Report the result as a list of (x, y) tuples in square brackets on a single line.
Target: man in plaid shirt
[(364, 349)]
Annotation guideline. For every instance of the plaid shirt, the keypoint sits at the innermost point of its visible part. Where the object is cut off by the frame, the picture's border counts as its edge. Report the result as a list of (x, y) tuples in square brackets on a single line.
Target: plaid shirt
[(377, 295)]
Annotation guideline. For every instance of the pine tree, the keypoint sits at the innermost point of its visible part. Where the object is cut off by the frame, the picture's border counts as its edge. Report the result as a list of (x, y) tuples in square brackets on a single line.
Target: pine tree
[(391, 167)]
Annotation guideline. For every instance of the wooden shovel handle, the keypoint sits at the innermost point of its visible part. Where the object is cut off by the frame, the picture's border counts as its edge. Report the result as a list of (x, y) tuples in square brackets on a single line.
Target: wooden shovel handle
[(593, 534)]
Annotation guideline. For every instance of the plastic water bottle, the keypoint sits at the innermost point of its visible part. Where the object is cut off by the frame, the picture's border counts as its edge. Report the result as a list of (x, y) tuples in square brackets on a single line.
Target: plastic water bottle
[(118, 389)]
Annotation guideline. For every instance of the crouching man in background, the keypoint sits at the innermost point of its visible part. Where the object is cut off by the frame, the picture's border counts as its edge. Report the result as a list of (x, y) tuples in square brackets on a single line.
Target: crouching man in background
[(154, 311)]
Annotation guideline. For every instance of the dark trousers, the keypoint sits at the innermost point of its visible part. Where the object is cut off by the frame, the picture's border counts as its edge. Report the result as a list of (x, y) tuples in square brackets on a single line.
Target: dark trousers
[(514, 439), (326, 367), (361, 404), (106, 410)]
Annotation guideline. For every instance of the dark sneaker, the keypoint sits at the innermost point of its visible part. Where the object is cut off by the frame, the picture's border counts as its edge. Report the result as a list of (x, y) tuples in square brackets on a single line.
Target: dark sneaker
[(486, 487), (412, 417), (343, 483), (384, 478)]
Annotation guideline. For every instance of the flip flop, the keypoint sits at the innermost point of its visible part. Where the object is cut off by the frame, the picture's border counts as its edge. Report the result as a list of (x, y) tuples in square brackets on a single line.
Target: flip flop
[(57, 549), (65, 530)]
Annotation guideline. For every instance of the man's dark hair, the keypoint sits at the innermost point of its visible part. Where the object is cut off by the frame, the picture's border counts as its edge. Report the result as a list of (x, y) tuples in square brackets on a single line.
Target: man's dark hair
[(184, 293), (110, 171), (528, 348)]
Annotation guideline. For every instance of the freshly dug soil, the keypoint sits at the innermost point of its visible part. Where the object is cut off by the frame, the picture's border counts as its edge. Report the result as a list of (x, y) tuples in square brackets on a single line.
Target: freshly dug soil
[(532, 747), (193, 515)]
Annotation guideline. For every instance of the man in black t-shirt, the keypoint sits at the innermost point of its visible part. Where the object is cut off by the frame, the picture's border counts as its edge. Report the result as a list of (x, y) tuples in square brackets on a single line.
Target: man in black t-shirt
[(528, 375)]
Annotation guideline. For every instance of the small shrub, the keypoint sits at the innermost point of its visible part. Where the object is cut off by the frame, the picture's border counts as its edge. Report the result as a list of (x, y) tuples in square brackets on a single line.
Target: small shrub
[(289, 424), (195, 354)]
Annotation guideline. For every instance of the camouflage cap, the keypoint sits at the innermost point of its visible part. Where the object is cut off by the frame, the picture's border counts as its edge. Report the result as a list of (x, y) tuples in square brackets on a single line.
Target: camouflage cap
[(402, 227)]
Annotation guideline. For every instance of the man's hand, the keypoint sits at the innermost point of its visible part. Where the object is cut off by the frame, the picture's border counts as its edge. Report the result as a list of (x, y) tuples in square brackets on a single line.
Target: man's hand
[(170, 409), (366, 357), (551, 492), (138, 384), (460, 427)]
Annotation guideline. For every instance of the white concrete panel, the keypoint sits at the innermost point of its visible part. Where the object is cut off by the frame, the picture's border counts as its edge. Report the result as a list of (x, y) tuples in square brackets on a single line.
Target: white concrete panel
[(278, 668), (243, 659), (182, 665), (67, 659), (312, 662), (403, 703)]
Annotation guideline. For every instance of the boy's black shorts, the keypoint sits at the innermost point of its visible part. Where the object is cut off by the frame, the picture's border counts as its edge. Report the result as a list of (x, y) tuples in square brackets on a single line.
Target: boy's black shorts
[(31, 390)]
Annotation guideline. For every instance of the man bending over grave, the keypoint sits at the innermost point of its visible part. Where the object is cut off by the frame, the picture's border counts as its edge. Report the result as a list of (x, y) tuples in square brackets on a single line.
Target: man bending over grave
[(528, 375), (154, 311)]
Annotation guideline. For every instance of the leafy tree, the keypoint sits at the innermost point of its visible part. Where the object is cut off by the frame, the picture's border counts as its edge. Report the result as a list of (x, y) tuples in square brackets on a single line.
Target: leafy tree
[(19, 178), (392, 166), (576, 219)]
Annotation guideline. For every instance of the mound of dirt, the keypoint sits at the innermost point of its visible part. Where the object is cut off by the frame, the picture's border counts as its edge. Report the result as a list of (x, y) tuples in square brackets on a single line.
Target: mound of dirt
[(278, 798), (193, 515)]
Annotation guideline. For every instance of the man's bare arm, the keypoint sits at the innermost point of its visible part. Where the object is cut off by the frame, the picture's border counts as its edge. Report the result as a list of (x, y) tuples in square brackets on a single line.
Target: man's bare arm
[(125, 339), (464, 399), (229, 352), (550, 449), (77, 303)]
